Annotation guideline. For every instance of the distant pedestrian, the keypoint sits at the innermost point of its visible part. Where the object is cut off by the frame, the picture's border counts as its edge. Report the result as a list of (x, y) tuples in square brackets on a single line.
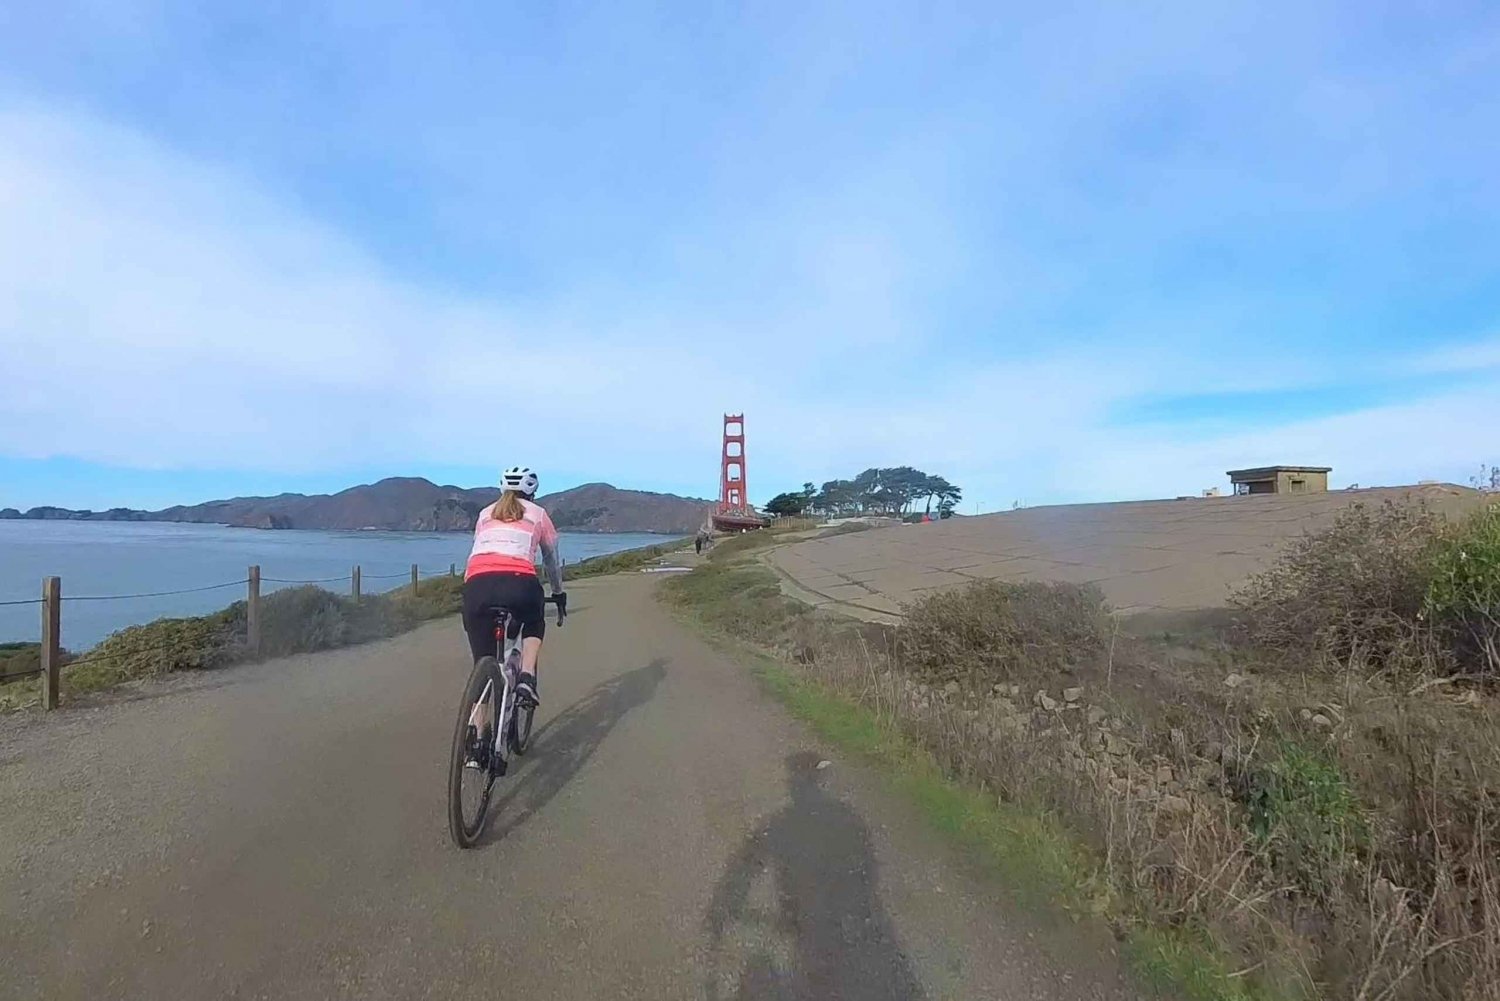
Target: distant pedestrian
[(698, 543)]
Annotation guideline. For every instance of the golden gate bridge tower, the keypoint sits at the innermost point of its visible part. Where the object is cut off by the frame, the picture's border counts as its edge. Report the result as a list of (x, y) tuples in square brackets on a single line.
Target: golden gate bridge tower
[(734, 513)]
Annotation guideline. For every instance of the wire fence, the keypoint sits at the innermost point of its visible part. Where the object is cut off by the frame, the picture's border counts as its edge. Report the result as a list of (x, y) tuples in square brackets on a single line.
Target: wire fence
[(56, 658), (54, 655), (309, 580), (154, 594), (242, 582)]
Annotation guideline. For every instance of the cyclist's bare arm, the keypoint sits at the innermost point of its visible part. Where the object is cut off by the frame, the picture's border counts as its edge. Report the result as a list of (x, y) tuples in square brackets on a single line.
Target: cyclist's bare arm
[(549, 561)]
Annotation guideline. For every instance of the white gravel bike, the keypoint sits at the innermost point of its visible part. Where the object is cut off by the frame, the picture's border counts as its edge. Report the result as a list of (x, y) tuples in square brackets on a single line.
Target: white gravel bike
[(493, 726)]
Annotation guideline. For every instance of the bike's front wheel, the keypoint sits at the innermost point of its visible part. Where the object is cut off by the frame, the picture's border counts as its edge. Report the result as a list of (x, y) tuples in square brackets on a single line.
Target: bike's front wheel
[(471, 768), (521, 710), (520, 724)]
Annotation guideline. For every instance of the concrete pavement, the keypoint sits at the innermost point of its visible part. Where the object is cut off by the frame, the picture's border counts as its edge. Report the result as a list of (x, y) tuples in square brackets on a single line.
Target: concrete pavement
[(278, 831), (1150, 555)]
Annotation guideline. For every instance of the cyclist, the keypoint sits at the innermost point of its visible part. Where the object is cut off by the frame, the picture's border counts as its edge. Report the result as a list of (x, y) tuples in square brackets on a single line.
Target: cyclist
[(502, 573)]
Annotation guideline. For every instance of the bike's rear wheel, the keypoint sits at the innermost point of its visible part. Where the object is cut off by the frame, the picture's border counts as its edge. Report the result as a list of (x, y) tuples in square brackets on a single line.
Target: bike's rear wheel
[(468, 787)]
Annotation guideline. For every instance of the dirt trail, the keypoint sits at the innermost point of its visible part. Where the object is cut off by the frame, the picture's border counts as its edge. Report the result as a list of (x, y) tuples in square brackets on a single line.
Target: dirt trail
[(277, 831)]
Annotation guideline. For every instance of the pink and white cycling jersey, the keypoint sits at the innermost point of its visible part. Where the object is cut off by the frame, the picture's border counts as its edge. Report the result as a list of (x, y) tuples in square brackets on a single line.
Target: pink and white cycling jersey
[(511, 546)]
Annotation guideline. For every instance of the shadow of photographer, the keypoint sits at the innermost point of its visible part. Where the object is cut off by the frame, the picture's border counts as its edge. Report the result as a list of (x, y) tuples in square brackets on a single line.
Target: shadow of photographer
[(798, 915)]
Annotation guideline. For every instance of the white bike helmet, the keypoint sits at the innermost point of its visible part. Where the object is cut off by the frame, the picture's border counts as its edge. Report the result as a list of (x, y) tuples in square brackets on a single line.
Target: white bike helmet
[(520, 479)]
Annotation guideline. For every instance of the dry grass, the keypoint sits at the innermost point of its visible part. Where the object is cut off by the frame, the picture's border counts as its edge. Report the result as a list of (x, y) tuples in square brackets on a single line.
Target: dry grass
[(1394, 590), (992, 630), (1313, 812), (623, 562)]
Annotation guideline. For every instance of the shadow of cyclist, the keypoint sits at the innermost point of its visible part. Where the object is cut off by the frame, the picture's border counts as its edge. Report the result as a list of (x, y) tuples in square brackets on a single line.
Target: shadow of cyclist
[(797, 914), (562, 745)]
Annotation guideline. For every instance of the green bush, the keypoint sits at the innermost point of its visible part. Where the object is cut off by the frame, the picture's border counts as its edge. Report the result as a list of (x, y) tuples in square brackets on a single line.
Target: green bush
[(293, 620), (300, 619), (397, 611), (1303, 812), (763, 538), (741, 600), (438, 596), (1463, 593), (993, 630), (725, 550), (20, 659), (306, 619), (745, 601), (160, 647), (627, 561)]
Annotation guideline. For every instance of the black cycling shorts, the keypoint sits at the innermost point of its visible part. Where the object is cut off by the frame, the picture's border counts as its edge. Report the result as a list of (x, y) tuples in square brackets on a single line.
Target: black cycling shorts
[(484, 593)]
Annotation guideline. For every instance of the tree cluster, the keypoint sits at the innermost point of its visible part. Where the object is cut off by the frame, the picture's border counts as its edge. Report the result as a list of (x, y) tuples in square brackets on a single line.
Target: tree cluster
[(893, 492)]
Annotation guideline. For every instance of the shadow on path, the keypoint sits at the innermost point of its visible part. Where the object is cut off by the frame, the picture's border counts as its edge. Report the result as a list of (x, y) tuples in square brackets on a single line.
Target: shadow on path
[(562, 745), (797, 915)]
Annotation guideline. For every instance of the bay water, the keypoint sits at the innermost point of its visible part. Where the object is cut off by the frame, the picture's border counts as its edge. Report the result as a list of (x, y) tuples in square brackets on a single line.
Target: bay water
[(102, 559)]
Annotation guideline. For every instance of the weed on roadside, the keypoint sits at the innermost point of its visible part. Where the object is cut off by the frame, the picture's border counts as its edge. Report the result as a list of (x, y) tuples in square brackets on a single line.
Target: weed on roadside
[(1296, 801)]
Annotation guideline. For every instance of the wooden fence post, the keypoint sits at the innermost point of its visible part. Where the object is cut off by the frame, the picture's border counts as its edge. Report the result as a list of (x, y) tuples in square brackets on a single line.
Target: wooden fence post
[(413, 578), (51, 640), (452, 569), (354, 588), (252, 613)]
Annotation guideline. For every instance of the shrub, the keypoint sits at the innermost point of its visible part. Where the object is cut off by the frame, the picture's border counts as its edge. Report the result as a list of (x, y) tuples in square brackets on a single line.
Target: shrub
[(293, 620), (306, 619), (845, 528), (991, 630), (1463, 592), (1354, 589), (737, 545), (1333, 834), (159, 647), (300, 619), (622, 562), (1303, 813), (435, 597), (744, 601), (19, 659)]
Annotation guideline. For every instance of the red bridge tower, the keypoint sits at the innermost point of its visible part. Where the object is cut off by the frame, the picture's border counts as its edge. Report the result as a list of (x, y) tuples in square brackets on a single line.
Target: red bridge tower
[(734, 512)]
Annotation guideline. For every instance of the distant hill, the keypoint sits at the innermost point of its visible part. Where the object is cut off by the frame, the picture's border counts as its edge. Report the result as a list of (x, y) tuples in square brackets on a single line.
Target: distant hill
[(413, 504), (599, 507)]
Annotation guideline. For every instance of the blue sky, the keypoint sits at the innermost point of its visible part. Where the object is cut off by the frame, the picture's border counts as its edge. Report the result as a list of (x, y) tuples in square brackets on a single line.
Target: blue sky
[(1073, 253)]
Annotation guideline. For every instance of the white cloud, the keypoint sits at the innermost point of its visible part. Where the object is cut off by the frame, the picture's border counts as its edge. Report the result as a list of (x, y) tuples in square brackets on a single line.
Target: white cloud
[(166, 312), (1475, 356), (161, 312)]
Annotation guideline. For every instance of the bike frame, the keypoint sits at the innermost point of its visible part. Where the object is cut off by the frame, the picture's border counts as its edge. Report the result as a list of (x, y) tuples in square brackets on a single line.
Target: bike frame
[(505, 649)]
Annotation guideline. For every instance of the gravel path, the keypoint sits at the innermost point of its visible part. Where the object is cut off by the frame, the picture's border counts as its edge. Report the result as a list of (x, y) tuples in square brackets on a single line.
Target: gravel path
[(278, 831)]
